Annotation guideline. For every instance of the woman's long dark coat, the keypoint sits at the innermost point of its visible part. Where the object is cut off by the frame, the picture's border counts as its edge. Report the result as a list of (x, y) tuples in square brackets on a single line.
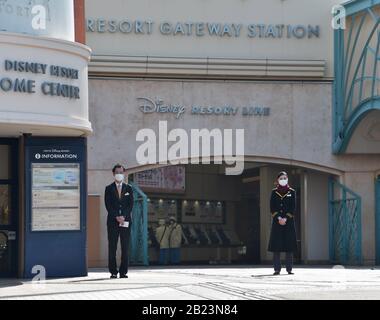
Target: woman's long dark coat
[(283, 238)]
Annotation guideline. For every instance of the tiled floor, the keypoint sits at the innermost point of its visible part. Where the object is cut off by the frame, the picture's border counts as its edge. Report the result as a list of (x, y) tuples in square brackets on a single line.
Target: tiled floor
[(210, 283)]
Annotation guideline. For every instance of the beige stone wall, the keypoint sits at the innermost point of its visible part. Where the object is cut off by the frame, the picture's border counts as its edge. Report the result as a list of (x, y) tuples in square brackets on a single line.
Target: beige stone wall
[(298, 130), (150, 44), (297, 133), (315, 228), (366, 136)]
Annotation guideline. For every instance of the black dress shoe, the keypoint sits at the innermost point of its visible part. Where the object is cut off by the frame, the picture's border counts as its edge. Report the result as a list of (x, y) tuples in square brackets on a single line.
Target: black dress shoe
[(289, 272), (113, 276), (276, 273), (123, 276)]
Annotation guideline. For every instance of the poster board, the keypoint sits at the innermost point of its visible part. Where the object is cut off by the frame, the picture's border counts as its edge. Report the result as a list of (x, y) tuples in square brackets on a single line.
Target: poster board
[(202, 211), (161, 209), (55, 196), (162, 180)]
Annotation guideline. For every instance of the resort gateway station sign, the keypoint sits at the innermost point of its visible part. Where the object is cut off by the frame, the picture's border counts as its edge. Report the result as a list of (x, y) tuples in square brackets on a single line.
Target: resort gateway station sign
[(200, 29), (47, 88)]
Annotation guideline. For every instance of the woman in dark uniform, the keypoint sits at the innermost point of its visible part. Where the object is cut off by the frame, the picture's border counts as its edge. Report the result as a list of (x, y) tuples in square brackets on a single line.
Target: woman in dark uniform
[(283, 234)]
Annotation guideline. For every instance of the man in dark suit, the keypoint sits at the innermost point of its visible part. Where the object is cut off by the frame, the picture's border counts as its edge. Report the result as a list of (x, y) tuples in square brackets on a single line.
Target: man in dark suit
[(118, 198)]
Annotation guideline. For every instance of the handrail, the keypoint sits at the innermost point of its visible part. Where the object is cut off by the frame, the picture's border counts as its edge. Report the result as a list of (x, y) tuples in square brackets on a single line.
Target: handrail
[(345, 228)]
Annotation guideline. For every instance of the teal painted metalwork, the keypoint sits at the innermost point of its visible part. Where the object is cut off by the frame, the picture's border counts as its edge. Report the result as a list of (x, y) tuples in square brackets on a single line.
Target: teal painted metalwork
[(345, 238), (356, 68), (355, 6), (377, 220), (138, 254)]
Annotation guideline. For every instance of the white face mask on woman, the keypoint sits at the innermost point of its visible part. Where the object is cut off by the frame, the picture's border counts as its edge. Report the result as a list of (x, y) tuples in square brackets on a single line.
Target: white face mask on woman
[(283, 182)]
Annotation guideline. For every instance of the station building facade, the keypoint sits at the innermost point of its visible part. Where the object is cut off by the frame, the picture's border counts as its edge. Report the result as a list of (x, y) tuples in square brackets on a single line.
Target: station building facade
[(271, 68), (305, 96)]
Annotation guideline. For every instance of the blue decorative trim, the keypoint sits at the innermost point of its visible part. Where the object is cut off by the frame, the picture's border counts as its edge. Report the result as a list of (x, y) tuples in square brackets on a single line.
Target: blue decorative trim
[(345, 228), (139, 233), (356, 116), (356, 6), (355, 69)]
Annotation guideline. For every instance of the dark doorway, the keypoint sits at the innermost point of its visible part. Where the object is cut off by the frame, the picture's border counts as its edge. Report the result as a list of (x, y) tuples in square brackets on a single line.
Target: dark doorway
[(298, 254), (248, 221), (8, 207)]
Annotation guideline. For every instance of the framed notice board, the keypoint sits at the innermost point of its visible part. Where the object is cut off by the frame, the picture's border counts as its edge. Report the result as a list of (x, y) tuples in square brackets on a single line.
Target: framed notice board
[(171, 179), (55, 196), (55, 206)]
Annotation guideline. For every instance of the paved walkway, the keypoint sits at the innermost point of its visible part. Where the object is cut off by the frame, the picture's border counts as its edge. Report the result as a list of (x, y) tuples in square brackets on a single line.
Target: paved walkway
[(205, 283)]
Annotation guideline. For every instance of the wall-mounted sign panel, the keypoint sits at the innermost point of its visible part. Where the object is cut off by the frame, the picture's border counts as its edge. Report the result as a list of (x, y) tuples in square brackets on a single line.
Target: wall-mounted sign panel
[(43, 86), (55, 206), (162, 180), (159, 106), (55, 197)]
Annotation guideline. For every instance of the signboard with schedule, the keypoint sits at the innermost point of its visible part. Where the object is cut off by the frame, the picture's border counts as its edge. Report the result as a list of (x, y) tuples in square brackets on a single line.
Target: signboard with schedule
[(55, 196), (55, 205)]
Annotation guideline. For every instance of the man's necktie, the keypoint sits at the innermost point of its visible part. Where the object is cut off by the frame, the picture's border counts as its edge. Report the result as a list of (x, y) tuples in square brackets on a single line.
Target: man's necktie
[(119, 190)]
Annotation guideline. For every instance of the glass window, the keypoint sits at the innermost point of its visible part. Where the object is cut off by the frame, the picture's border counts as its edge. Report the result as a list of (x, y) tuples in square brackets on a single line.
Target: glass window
[(161, 209), (5, 205), (4, 163)]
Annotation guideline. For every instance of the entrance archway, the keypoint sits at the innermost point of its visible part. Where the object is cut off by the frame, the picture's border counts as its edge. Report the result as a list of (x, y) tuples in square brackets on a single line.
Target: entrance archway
[(226, 219)]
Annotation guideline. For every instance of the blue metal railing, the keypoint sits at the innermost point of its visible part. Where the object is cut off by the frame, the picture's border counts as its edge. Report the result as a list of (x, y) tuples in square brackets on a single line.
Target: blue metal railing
[(139, 233), (345, 229)]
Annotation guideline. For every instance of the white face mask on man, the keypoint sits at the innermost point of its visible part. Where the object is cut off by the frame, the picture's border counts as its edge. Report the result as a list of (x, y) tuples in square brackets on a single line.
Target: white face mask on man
[(283, 182), (119, 177)]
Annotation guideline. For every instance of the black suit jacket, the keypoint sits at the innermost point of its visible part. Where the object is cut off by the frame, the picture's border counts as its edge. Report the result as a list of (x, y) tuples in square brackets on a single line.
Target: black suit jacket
[(118, 206)]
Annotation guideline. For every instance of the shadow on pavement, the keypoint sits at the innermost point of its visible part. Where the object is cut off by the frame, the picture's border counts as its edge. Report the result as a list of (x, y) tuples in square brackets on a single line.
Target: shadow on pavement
[(4, 283), (269, 275)]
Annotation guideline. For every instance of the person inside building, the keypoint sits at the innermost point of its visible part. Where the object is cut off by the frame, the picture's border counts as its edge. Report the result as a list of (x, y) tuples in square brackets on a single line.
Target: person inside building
[(118, 199), (283, 234), (175, 240), (162, 237)]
